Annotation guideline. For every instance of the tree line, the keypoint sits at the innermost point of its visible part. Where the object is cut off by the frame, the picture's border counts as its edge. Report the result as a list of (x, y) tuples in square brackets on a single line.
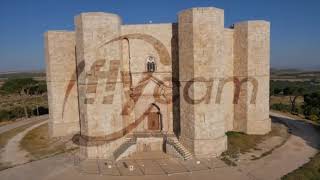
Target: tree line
[(22, 91), (307, 90)]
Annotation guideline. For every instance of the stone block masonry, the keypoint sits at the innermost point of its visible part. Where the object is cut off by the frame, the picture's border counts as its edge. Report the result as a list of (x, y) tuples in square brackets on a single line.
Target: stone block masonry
[(194, 80), (60, 71)]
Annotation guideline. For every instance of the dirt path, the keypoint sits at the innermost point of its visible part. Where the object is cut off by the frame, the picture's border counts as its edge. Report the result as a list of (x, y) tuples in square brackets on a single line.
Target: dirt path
[(301, 145), (12, 153), (23, 122)]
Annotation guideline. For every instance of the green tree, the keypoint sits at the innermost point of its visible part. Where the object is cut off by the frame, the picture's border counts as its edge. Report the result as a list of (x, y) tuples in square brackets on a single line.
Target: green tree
[(38, 90), (22, 87), (293, 93), (312, 105), (277, 91), (287, 91)]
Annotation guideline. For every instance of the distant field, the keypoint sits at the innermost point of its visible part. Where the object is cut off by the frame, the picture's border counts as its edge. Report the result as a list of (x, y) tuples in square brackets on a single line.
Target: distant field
[(292, 75), (295, 75), (39, 75), (284, 100)]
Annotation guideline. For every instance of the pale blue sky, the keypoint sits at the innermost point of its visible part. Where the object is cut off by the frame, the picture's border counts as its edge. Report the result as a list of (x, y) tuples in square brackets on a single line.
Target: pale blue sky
[(295, 25)]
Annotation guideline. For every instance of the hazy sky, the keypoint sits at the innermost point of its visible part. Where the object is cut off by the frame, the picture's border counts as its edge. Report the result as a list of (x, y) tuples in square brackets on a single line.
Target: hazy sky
[(295, 25)]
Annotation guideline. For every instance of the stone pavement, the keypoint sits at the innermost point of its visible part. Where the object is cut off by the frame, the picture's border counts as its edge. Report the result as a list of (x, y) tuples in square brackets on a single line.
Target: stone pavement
[(62, 167), (158, 163)]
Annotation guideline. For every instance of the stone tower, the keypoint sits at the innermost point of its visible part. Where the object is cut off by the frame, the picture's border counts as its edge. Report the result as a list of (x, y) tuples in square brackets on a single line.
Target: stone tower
[(201, 61)]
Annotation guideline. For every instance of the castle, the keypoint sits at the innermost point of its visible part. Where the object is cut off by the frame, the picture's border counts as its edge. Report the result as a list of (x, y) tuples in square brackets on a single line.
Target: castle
[(175, 87)]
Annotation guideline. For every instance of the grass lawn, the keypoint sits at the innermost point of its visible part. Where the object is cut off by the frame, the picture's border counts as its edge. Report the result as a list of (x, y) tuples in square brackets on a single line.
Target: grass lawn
[(38, 143), (310, 170)]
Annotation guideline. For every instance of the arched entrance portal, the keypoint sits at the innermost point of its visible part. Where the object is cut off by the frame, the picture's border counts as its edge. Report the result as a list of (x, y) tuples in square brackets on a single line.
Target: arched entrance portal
[(155, 119)]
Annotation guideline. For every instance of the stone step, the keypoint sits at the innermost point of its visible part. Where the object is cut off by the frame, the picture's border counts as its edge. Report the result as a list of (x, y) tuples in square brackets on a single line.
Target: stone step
[(180, 148), (124, 146)]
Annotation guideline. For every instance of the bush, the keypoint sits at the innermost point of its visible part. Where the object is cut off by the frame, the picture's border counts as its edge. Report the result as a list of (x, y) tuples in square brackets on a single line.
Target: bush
[(4, 115), (281, 107), (299, 109), (14, 113), (42, 110), (277, 91), (312, 106), (313, 117)]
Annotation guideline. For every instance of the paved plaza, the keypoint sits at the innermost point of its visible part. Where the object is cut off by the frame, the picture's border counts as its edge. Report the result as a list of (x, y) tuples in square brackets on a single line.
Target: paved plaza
[(148, 163)]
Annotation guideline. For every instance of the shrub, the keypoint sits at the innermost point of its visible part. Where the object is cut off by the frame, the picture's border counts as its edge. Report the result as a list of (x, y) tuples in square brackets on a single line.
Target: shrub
[(4, 115), (42, 110), (277, 91), (280, 107), (13, 113), (313, 117)]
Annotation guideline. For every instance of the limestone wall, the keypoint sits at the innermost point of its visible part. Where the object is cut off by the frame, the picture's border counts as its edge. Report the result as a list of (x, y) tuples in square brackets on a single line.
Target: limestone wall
[(201, 59), (60, 72), (139, 45), (227, 92)]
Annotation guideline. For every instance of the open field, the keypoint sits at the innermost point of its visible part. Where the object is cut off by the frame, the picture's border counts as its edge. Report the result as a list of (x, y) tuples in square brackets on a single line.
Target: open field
[(34, 74), (295, 75), (284, 100)]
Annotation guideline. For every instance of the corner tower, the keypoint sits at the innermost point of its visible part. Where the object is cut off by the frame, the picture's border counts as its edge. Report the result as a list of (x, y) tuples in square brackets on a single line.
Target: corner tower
[(252, 68), (100, 88)]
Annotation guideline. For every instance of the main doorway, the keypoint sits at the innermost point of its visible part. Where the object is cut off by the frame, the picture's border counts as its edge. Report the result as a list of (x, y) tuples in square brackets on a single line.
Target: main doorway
[(154, 119)]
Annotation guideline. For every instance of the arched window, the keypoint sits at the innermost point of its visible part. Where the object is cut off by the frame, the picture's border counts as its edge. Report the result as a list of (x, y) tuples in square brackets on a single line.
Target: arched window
[(151, 64)]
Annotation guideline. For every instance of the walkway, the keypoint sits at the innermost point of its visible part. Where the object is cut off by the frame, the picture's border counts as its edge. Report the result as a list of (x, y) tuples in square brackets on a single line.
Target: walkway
[(12, 151)]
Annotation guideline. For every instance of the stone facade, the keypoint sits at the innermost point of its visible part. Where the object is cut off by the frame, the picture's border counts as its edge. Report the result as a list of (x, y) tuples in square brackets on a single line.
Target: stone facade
[(119, 85)]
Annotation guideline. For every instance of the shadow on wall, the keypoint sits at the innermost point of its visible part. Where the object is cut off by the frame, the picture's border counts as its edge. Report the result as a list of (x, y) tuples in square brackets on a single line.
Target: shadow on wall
[(175, 80)]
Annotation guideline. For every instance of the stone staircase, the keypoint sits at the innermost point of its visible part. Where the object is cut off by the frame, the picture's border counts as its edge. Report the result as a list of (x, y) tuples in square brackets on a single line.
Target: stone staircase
[(124, 146), (174, 142)]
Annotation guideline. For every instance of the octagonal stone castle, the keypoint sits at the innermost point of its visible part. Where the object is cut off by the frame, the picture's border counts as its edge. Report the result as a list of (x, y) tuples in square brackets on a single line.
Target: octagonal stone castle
[(174, 87)]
